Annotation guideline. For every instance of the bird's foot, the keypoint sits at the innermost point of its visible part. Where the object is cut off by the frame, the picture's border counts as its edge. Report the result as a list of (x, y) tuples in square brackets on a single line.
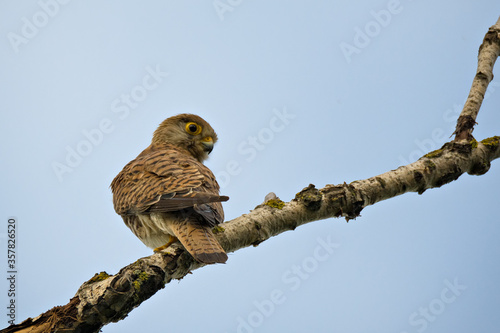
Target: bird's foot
[(171, 240)]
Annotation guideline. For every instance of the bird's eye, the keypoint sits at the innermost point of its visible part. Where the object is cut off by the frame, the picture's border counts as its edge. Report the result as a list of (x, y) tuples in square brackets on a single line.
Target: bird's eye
[(193, 128)]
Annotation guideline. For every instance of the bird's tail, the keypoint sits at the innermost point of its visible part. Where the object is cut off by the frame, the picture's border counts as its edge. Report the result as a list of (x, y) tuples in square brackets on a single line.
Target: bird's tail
[(200, 242)]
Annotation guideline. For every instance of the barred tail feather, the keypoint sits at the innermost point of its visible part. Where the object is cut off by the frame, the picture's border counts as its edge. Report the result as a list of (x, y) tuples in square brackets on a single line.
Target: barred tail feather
[(200, 242)]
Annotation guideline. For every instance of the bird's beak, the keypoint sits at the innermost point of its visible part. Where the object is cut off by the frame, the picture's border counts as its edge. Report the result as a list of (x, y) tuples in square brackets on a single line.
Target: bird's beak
[(208, 143)]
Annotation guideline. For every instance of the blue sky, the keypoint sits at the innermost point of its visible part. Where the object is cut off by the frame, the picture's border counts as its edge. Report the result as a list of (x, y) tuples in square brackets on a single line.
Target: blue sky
[(321, 92)]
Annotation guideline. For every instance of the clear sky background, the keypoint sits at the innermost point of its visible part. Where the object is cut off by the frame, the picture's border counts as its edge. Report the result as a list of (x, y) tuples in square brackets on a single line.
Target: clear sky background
[(334, 91)]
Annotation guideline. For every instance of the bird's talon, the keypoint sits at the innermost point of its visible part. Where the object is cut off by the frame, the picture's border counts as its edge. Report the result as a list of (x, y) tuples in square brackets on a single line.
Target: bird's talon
[(171, 240)]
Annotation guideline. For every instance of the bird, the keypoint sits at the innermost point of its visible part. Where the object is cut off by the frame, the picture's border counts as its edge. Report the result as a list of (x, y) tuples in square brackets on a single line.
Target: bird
[(166, 194)]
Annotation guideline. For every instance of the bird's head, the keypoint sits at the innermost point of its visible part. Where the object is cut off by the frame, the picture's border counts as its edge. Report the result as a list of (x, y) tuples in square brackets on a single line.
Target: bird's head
[(187, 131)]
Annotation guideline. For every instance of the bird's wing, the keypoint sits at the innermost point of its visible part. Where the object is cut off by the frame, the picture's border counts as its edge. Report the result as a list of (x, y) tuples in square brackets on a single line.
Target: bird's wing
[(165, 180)]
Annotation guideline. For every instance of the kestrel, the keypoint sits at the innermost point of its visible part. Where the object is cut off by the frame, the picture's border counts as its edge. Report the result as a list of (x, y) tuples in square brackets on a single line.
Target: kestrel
[(167, 194)]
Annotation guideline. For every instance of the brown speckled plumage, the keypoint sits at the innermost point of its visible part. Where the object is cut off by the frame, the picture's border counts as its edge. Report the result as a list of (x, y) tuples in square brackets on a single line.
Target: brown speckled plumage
[(167, 190)]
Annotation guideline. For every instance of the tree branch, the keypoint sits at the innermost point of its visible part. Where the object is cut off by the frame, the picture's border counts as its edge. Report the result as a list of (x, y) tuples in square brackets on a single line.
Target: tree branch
[(109, 298), (486, 58)]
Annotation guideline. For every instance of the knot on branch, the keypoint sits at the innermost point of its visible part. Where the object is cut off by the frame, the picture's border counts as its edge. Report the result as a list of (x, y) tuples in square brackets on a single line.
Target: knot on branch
[(344, 199), (482, 166), (310, 197), (491, 37), (465, 126)]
